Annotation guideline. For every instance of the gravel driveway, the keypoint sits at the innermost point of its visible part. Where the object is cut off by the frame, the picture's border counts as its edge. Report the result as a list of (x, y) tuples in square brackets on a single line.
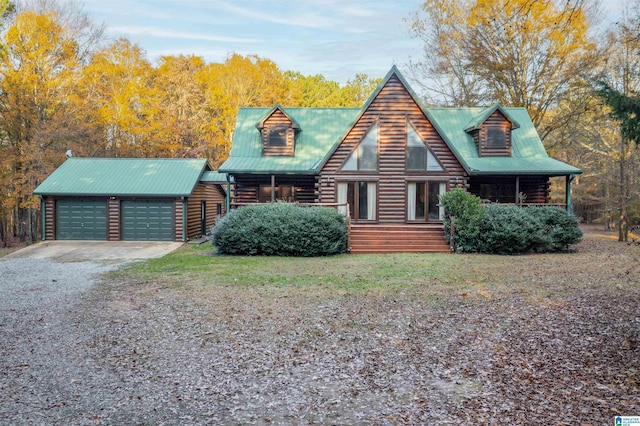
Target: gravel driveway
[(558, 343), (46, 376)]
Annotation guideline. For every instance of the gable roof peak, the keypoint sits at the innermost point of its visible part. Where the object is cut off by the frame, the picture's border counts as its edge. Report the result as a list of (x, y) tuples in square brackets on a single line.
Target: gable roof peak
[(477, 121), (394, 71), (277, 107)]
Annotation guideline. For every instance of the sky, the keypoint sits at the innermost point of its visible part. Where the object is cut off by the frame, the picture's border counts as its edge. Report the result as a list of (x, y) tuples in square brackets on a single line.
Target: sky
[(335, 38)]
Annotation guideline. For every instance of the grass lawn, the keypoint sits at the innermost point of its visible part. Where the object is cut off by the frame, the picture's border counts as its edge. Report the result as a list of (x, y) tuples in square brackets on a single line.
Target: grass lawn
[(483, 276), (386, 339)]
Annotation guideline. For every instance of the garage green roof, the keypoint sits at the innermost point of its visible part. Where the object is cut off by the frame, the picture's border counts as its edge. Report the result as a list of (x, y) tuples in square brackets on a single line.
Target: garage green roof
[(321, 129), (148, 177)]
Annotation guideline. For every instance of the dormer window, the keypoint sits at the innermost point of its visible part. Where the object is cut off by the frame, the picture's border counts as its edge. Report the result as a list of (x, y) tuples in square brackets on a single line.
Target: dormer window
[(277, 136), (496, 137), (278, 131), (492, 131)]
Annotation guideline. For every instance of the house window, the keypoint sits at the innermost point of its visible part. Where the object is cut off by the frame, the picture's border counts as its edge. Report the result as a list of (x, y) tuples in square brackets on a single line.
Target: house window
[(286, 193), (496, 137), (264, 193), (365, 156), (361, 198), (498, 192), (282, 193), (423, 202), (419, 157), (277, 136)]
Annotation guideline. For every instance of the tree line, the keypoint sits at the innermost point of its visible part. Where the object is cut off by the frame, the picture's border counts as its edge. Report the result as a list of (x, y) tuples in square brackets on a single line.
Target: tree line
[(65, 87)]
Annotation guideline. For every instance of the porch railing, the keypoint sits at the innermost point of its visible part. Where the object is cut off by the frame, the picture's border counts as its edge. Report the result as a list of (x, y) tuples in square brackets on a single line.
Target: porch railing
[(563, 205)]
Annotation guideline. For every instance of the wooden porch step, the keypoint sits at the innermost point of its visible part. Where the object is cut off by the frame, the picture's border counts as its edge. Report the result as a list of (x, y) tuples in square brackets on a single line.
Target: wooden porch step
[(400, 238)]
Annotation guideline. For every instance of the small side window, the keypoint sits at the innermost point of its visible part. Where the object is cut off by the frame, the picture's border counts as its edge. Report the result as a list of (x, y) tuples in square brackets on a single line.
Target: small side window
[(496, 137), (278, 136)]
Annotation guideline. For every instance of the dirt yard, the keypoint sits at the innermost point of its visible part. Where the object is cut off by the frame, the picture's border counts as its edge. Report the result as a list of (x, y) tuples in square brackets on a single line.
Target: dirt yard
[(536, 339)]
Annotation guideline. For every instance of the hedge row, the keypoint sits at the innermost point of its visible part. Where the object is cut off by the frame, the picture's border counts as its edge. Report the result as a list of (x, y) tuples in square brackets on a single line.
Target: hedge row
[(507, 229), (280, 229)]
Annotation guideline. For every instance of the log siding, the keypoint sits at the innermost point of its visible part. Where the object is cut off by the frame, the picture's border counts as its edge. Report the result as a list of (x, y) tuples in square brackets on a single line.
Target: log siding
[(391, 108), (178, 219), (213, 196), (50, 218), (113, 219)]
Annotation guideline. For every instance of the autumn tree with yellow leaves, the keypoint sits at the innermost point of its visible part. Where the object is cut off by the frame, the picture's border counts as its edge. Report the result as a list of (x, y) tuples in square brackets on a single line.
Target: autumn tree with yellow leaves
[(115, 93), (63, 88), (38, 66)]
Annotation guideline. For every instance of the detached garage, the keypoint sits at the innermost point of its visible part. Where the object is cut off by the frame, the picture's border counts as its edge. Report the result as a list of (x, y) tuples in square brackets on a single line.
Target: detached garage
[(134, 199)]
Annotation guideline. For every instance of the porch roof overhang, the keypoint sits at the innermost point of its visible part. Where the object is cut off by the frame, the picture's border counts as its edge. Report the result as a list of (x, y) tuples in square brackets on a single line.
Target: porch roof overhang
[(515, 166), (270, 165)]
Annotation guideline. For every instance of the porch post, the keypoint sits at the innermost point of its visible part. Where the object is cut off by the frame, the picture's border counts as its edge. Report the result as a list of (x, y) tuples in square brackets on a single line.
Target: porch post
[(43, 217), (227, 199), (273, 188), (569, 179), (518, 201)]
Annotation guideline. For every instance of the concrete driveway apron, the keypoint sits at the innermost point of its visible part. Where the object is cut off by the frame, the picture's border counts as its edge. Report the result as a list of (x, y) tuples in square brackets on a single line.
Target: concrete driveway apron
[(95, 250)]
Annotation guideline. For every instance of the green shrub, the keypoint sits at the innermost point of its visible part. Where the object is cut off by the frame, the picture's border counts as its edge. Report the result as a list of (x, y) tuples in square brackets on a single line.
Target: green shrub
[(506, 229), (560, 229), (469, 214), (280, 229), (513, 230)]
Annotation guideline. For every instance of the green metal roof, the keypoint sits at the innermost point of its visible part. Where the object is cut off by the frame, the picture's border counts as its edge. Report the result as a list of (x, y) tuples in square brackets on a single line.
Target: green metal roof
[(528, 155), (321, 129), (215, 177), (477, 121), (161, 177), (294, 123)]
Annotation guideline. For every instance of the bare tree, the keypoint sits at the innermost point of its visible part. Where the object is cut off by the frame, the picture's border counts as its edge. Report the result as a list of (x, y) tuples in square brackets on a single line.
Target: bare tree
[(620, 89), (70, 14), (531, 53)]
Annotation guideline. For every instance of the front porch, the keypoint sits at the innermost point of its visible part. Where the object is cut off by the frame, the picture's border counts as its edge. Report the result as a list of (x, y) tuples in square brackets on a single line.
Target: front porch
[(523, 190)]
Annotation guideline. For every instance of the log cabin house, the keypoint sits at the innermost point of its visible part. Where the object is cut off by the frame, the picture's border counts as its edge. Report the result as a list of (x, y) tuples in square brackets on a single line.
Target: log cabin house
[(387, 162)]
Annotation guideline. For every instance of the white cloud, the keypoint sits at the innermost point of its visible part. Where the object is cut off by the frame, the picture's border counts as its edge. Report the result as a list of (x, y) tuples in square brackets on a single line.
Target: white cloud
[(335, 38), (289, 15), (173, 34)]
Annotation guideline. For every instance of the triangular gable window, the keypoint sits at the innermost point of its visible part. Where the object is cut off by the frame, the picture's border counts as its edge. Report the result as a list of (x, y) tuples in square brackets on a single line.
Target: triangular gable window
[(365, 156), (419, 157)]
